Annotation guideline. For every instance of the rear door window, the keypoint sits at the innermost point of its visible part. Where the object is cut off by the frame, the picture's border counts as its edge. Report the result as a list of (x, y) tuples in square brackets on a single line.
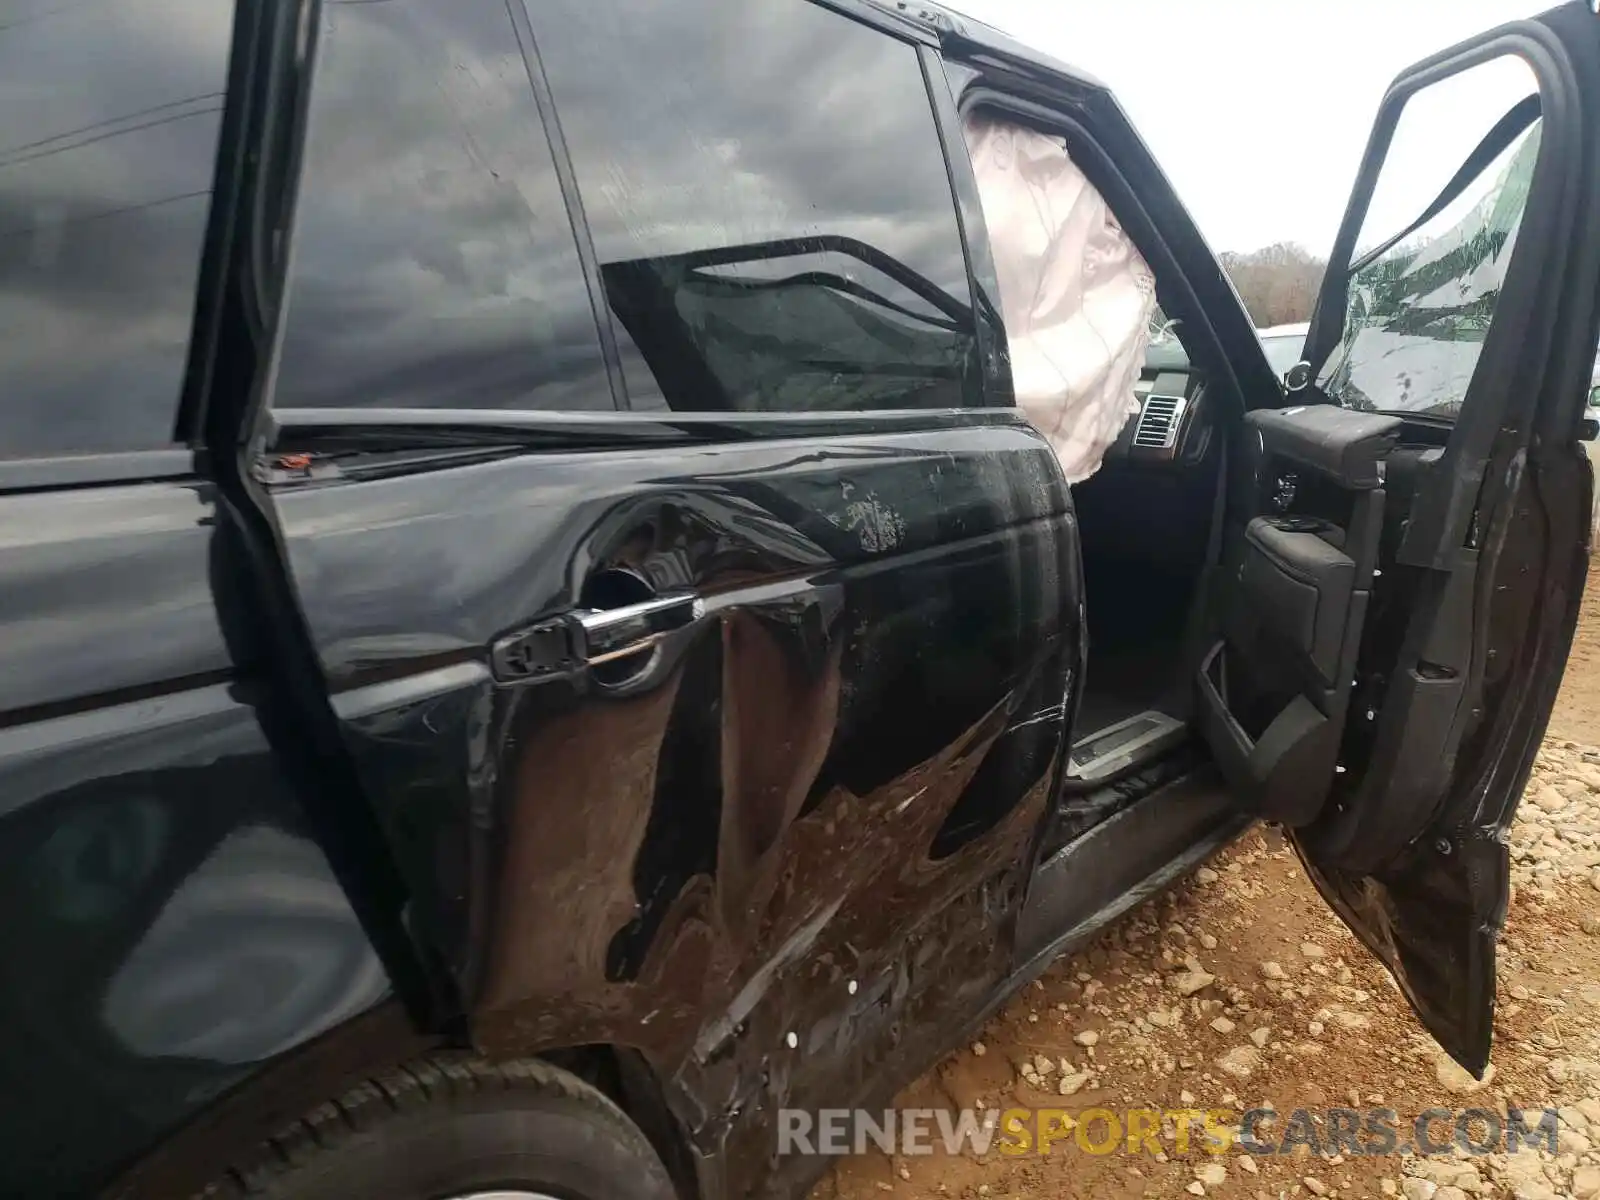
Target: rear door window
[(769, 203), (435, 264), (109, 117)]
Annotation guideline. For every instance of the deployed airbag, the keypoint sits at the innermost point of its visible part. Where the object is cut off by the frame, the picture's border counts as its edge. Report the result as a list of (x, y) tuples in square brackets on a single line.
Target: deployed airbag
[(1076, 296)]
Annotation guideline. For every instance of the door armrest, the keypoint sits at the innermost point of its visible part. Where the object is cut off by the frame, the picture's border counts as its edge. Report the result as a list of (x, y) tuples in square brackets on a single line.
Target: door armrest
[(1340, 443)]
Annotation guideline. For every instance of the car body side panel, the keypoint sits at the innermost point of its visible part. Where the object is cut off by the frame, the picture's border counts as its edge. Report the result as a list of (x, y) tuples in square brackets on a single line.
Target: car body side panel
[(168, 921), (793, 840)]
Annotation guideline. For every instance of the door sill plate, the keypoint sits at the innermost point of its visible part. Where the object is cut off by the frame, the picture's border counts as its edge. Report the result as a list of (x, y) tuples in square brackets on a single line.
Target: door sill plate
[(1105, 752)]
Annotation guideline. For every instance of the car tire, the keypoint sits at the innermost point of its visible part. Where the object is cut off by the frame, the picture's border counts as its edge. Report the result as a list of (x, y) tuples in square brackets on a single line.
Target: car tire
[(448, 1127)]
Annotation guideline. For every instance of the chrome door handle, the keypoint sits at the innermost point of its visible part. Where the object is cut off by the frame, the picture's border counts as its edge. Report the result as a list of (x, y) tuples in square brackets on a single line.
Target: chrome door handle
[(601, 635)]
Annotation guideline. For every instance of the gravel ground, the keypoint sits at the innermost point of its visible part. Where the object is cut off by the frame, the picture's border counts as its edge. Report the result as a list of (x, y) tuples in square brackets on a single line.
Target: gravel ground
[(1239, 989)]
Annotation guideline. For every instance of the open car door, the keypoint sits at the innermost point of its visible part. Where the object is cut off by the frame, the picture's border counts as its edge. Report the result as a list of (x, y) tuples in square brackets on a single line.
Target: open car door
[(1408, 535)]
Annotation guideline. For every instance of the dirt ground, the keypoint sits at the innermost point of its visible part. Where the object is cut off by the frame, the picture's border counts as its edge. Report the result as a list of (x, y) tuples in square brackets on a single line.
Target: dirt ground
[(1239, 989)]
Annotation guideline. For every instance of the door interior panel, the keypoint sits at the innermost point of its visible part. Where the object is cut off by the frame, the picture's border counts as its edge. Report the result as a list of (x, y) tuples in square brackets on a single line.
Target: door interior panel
[(1274, 688), (1303, 583)]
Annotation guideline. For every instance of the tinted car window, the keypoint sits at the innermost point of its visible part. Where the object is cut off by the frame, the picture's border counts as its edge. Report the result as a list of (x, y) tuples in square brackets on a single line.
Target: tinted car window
[(434, 263), (769, 203), (109, 114)]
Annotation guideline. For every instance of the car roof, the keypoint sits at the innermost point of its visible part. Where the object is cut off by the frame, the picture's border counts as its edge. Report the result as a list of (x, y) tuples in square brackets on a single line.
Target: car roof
[(947, 22)]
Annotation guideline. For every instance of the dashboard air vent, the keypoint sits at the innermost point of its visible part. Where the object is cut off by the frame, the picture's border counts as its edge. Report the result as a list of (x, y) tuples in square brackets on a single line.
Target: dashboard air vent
[(1158, 423)]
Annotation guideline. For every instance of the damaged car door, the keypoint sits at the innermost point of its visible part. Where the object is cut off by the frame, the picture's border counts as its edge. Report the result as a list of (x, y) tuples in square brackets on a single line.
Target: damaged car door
[(698, 617)]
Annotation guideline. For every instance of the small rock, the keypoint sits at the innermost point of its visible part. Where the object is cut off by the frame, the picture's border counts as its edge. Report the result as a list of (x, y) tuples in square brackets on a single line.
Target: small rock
[(1205, 875), (1570, 1141), (1222, 1025), (1247, 1164), (1043, 1065), (1072, 1083), (1241, 1061), (1388, 1187), (1209, 942), (1260, 1036), (1315, 1186), (1589, 923), (1196, 1188), (1272, 970), (1087, 1038), (1351, 1020), (1454, 1078), (1449, 1192), (1315, 1028), (1211, 1173), (1418, 1189), (1586, 1183), (1189, 982), (905, 1172), (979, 1049), (1549, 799), (1312, 950)]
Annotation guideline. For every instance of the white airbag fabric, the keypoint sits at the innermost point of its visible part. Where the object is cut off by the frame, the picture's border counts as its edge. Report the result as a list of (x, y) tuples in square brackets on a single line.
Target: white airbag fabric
[(1076, 296)]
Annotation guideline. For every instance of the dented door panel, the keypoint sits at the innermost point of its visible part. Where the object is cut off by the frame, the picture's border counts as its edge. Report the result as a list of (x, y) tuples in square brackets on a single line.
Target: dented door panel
[(784, 846)]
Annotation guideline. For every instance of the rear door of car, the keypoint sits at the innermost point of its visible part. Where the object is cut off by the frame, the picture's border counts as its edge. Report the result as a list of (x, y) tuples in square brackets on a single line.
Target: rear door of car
[(1412, 529), (696, 615)]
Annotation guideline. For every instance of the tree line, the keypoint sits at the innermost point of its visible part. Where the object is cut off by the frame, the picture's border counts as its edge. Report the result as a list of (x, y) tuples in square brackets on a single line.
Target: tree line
[(1277, 283)]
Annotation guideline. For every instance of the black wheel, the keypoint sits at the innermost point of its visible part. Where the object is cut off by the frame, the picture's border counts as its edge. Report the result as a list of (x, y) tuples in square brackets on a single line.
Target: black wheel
[(458, 1129)]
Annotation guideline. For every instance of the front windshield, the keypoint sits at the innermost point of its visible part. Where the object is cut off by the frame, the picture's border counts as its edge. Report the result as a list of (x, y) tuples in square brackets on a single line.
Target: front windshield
[(1283, 351), (1164, 352)]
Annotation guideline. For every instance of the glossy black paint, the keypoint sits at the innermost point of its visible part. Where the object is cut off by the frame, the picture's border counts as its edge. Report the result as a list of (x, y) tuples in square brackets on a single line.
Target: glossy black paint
[(807, 813), (168, 920)]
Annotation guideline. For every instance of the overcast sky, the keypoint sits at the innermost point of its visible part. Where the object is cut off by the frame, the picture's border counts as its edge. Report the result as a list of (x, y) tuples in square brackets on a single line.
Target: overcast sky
[(1259, 109)]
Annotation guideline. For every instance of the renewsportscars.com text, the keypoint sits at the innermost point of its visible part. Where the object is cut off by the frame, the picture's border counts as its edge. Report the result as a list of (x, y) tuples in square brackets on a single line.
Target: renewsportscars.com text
[(1099, 1131)]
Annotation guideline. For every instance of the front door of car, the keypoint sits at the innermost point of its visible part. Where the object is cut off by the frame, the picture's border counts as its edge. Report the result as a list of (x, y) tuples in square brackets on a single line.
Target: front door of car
[(1408, 532), (697, 615)]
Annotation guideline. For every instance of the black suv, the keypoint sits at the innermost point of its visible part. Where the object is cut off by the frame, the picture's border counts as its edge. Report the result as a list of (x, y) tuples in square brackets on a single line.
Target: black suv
[(533, 635)]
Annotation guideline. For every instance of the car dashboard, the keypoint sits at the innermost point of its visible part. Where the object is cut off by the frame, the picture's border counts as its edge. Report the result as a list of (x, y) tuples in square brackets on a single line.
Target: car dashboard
[(1171, 425)]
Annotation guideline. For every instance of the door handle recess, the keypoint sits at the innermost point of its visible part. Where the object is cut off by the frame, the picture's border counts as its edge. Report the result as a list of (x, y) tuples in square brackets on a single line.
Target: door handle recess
[(602, 635), (590, 637)]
